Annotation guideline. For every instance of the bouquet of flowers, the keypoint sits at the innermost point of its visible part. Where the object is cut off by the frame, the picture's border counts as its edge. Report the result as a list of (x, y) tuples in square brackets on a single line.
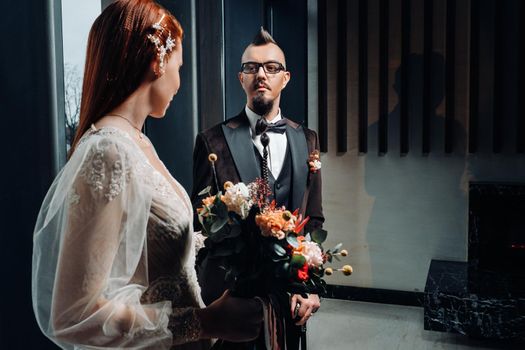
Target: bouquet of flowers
[(261, 246)]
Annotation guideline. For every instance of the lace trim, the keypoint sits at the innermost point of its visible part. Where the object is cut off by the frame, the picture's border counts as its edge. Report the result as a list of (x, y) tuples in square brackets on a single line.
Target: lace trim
[(106, 177), (165, 288), (184, 325), (73, 198)]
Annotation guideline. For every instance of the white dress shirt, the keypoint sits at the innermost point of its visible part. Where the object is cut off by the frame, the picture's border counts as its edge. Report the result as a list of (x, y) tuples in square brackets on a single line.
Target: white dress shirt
[(277, 145)]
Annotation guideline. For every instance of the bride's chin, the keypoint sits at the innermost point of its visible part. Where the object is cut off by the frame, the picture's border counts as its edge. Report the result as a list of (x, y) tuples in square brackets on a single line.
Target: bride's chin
[(158, 115)]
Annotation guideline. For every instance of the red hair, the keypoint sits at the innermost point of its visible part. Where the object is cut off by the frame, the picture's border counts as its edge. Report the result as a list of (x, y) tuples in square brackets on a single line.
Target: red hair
[(119, 55)]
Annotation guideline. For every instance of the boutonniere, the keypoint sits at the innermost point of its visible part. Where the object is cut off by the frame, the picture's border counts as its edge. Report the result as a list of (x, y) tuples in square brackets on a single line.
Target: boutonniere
[(314, 161)]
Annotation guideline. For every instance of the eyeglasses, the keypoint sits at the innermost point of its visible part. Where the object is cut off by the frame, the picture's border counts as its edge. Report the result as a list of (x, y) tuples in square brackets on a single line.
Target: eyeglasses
[(270, 67)]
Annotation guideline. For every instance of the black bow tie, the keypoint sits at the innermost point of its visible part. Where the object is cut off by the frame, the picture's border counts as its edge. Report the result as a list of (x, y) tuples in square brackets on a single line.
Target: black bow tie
[(263, 126)]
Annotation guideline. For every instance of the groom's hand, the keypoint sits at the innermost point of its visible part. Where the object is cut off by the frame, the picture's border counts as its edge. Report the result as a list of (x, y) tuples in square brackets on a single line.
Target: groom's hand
[(305, 307)]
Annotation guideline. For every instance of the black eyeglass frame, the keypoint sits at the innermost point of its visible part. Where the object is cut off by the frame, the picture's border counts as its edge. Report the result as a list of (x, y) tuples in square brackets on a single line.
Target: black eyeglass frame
[(259, 65)]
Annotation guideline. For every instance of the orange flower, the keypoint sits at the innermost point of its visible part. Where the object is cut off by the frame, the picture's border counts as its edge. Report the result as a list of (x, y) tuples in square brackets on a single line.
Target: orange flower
[(206, 203), (275, 222), (300, 246)]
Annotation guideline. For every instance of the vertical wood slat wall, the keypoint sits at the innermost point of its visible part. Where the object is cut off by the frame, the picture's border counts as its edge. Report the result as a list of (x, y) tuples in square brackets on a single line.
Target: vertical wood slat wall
[(342, 81), (383, 77), (405, 51), (455, 22), (322, 76), (520, 130), (363, 76), (474, 77), (498, 80)]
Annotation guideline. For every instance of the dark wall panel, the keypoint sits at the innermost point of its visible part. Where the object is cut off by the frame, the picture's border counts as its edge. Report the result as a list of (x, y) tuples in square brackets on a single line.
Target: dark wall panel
[(173, 134), (290, 31), (210, 62), (242, 20), (322, 75), (363, 77), (342, 75), (421, 50), (474, 77), (29, 108), (520, 129)]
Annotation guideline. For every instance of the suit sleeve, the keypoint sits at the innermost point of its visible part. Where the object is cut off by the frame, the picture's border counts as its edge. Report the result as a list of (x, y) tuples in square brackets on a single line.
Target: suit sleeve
[(314, 205)]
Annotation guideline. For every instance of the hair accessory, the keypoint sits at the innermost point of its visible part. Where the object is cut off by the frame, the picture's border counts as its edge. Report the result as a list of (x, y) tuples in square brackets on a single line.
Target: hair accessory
[(162, 50)]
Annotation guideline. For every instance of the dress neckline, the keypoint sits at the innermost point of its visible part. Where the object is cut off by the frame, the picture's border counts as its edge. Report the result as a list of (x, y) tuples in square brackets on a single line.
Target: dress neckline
[(174, 184)]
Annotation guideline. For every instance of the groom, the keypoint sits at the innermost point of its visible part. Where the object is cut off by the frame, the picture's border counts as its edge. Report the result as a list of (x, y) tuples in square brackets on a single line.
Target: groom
[(258, 138)]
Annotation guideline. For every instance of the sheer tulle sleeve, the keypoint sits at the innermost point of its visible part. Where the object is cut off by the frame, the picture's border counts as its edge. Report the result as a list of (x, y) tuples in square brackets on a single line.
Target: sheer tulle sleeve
[(199, 241), (89, 259)]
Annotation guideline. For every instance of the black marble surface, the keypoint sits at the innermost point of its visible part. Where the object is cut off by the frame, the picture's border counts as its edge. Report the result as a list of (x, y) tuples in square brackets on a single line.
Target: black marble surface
[(449, 305), (496, 239)]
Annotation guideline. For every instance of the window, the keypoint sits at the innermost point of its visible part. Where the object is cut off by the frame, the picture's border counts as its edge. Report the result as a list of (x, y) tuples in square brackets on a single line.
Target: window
[(77, 18)]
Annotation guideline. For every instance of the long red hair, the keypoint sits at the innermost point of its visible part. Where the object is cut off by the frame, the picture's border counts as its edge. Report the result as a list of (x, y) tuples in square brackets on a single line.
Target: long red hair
[(119, 55)]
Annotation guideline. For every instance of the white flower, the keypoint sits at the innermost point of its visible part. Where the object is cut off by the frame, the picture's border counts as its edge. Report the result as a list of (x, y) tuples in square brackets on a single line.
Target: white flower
[(313, 254), (316, 164), (237, 198)]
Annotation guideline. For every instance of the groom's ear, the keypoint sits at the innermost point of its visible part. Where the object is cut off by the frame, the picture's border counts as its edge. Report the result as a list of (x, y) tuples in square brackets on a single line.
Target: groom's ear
[(241, 77), (286, 79)]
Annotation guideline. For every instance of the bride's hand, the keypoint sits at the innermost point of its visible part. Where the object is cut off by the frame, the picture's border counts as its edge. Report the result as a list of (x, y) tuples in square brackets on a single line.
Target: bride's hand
[(232, 319)]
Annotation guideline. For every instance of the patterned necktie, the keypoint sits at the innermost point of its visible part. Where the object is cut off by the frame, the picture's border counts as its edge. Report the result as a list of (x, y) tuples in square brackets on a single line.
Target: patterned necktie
[(262, 127)]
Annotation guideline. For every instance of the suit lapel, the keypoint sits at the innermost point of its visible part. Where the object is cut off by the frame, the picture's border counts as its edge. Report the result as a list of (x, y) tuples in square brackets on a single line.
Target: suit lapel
[(237, 135), (299, 152)]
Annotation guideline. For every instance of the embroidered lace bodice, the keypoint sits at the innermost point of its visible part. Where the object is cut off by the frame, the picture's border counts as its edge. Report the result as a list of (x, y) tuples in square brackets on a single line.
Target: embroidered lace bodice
[(113, 263)]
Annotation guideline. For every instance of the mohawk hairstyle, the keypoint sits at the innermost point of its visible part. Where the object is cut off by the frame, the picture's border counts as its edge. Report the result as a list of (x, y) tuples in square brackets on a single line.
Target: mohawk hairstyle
[(263, 38)]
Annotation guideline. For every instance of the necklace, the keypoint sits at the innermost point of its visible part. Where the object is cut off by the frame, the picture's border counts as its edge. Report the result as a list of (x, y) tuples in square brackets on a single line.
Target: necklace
[(141, 136)]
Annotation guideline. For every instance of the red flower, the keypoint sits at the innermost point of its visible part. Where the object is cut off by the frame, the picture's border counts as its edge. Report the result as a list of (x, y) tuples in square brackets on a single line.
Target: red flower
[(302, 273), (300, 224)]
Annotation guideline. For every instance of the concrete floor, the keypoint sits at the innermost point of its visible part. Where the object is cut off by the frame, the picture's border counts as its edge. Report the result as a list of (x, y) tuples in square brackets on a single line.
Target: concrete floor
[(342, 325)]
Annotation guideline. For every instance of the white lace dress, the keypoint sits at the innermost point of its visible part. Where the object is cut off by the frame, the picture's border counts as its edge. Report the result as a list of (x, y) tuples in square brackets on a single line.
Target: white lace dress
[(113, 259)]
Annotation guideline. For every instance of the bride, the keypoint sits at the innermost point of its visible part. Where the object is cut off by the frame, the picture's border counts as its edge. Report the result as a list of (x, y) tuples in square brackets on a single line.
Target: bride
[(114, 247)]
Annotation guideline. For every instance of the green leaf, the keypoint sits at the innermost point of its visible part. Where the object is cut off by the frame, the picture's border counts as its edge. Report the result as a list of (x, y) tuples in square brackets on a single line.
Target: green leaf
[(337, 258), (201, 220), (298, 260), (206, 226), (319, 236), (205, 191), (292, 240), (218, 224), (221, 210), (217, 199), (276, 259), (278, 250), (337, 248), (283, 271)]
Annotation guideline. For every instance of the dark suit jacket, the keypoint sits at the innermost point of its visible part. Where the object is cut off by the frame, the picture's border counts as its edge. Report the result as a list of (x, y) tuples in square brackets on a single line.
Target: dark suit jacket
[(232, 143), (236, 162)]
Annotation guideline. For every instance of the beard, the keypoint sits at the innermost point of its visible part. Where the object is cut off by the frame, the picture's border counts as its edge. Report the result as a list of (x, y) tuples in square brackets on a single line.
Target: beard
[(262, 106)]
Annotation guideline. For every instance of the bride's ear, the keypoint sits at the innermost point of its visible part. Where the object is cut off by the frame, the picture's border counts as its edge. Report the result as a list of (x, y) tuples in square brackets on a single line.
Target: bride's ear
[(155, 69)]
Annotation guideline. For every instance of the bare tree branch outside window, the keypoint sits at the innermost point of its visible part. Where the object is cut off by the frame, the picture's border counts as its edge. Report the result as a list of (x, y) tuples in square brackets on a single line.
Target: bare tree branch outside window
[(73, 92)]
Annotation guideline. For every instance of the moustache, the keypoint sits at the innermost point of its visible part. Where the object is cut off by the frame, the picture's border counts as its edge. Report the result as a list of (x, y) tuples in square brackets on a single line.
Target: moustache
[(260, 84)]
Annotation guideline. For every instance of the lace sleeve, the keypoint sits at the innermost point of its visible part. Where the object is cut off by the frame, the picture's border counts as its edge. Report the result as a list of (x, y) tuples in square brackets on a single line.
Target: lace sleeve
[(199, 241), (89, 257)]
